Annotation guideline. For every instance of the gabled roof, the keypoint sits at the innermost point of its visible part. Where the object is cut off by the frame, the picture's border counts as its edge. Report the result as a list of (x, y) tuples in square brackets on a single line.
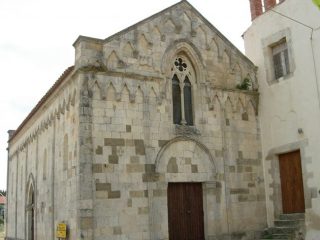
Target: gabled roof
[(134, 26), (2, 200), (69, 70)]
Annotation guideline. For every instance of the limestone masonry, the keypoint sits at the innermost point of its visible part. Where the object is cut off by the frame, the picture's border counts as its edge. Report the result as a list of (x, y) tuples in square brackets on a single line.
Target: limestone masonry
[(153, 105)]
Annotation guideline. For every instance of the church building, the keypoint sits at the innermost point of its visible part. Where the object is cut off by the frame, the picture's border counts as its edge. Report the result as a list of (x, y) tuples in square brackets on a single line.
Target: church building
[(153, 134)]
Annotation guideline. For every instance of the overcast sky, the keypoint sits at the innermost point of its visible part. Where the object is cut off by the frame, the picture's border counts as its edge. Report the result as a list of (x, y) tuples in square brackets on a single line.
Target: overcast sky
[(36, 38)]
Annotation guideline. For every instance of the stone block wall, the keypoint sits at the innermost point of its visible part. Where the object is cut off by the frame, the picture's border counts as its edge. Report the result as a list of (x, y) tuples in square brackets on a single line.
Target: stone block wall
[(113, 148), (132, 149), (136, 151), (44, 155)]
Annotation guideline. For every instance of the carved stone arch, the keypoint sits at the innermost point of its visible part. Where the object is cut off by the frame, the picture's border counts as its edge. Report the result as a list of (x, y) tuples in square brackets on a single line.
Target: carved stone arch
[(237, 72), (30, 184), (64, 105), (118, 84), (241, 110), (190, 51), (169, 25), (240, 107), (111, 92), (202, 36), (186, 21), (68, 101), (175, 142), (228, 105), (139, 93), (156, 33), (113, 61), (95, 91), (125, 89), (144, 44), (226, 57), (217, 105), (128, 49), (214, 46), (251, 105), (152, 94), (143, 87)]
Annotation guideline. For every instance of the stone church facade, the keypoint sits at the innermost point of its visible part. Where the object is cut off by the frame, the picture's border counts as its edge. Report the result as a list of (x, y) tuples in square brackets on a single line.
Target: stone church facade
[(146, 137)]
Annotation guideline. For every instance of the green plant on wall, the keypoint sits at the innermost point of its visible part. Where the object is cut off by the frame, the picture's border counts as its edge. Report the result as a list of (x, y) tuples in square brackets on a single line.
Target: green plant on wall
[(245, 85), (317, 3)]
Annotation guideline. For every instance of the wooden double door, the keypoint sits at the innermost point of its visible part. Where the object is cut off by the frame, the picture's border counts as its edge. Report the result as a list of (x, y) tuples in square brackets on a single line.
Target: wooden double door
[(291, 182), (185, 211)]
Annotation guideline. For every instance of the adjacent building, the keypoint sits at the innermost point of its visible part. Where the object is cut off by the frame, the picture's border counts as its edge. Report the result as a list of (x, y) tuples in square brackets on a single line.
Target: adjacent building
[(284, 42), (2, 206), (147, 136)]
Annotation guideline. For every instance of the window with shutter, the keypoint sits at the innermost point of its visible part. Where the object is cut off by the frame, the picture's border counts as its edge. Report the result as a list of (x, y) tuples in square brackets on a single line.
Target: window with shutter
[(281, 64)]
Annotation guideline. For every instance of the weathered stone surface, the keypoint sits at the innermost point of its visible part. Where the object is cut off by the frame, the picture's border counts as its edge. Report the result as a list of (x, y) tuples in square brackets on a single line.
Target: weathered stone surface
[(239, 191), (99, 150), (172, 166), (103, 186), (114, 194), (139, 145), (113, 142), (97, 168), (122, 150), (113, 159), (131, 168)]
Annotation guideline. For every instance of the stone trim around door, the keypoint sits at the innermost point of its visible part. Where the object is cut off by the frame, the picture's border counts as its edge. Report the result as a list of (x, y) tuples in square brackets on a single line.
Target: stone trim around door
[(273, 172)]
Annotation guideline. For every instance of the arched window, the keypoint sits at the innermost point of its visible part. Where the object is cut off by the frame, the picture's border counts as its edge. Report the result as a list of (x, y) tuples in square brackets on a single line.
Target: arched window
[(30, 210), (187, 101), (176, 99), (182, 93)]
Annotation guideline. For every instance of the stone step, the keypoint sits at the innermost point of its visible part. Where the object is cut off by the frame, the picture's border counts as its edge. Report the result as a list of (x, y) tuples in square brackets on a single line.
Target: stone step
[(276, 238), (269, 234), (288, 223), (292, 216), (283, 230)]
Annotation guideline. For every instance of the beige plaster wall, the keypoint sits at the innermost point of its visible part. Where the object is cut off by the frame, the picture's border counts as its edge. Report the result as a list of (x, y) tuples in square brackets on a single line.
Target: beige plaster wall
[(290, 103)]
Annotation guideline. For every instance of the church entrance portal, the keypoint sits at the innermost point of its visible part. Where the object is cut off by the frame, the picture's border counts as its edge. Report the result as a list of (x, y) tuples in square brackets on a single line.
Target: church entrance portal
[(185, 211)]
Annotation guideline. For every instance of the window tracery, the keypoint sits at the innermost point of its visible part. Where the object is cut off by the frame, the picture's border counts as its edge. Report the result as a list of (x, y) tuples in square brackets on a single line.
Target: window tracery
[(182, 92)]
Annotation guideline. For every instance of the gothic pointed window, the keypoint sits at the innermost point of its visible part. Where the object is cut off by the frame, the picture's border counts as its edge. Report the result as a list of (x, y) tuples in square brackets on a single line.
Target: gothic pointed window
[(182, 93), (187, 101), (176, 99)]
